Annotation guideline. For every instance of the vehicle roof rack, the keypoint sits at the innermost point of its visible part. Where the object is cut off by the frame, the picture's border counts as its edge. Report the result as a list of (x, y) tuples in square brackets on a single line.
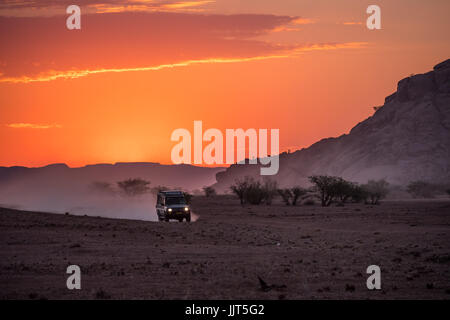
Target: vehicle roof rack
[(172, 192)]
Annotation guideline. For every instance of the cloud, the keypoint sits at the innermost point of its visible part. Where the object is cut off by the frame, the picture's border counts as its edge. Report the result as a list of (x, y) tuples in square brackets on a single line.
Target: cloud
[(300, 21), (42, 49), (48, 8), (43, 45), (54, 75), (352, 23), (294, 25), (186, 4), (32, 126)]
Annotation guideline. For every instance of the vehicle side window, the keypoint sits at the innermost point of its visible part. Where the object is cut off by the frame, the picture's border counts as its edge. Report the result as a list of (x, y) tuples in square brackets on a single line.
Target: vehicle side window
[(160, 200)]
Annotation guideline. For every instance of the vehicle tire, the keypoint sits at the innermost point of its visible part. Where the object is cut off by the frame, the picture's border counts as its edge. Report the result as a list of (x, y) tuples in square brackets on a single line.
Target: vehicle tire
[(188, 218)]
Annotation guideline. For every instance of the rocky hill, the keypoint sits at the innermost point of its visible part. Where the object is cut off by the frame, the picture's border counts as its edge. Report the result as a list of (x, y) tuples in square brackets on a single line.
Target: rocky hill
[(408, 138)]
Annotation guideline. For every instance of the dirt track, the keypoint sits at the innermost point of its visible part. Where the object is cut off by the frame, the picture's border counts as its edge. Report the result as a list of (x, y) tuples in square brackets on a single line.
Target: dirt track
[(305, 252)]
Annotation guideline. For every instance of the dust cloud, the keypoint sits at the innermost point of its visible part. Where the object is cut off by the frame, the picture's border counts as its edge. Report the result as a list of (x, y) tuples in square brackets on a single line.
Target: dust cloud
[(76, 199)]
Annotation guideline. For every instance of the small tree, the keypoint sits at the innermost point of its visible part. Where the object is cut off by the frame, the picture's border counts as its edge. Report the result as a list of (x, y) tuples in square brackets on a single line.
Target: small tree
[(255, 193), (376, 190), (209, 191), (286, 195), (270, 189), (344, 189), (133, 187), (297, 193), (325, 186), (359, 193), (240, 187), (249, 190)]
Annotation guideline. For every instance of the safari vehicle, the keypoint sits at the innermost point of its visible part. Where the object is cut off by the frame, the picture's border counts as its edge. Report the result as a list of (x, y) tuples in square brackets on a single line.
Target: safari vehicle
[(172, 205)]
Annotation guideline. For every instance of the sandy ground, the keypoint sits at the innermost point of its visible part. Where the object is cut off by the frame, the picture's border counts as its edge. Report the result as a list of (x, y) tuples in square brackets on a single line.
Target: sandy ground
[(304, 252)]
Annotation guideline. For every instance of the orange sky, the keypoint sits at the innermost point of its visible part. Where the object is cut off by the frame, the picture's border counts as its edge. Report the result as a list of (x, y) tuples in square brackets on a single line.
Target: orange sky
[(116, 89)]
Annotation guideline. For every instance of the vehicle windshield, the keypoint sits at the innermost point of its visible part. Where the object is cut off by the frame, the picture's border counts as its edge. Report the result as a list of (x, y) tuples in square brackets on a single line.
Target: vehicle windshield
[(175, 200)]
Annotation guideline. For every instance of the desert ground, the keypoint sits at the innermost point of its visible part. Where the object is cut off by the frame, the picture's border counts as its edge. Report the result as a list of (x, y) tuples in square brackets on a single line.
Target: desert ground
[(302, 252)]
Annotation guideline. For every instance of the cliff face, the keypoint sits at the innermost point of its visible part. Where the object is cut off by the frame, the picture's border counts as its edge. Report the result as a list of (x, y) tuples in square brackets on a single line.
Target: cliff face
[(407, 139)]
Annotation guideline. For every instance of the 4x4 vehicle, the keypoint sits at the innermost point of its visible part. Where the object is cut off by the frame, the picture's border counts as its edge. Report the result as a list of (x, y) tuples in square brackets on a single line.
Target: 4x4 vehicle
[(172, 205)]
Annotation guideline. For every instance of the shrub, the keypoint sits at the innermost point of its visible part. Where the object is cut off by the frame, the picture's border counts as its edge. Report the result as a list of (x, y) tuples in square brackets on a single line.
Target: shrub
[(270, 189), (376, 190), (326, 187), (359, 193), (344, 190), (209, 191), (331, 188), (297, 193), (286, 195), (133, 187), (255, 193), (252, 191), (240, 187)]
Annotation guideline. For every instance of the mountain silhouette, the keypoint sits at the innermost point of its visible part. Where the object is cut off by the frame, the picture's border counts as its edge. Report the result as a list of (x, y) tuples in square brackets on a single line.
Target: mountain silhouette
[(406, 139), (184, 176)]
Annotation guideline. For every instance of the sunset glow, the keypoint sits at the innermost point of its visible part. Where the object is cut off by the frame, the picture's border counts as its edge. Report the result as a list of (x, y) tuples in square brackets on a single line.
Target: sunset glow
[(137, 70)]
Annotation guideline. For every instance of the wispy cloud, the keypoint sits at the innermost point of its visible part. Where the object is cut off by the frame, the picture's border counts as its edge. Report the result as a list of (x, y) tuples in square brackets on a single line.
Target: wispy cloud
[(48, 8), (186, 4), (32, 126), (300, 21), (138, 6), (41, 49), (332, 46), (352, 23), (54, 75), (294, 25)]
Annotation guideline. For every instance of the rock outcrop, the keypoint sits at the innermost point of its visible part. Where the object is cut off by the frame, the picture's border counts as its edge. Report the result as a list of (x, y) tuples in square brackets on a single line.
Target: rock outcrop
[(408, 138)]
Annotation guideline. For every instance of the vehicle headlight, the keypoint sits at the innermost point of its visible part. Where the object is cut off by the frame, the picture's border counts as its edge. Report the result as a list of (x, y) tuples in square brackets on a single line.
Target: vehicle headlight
[(170, 209), (186, 209)]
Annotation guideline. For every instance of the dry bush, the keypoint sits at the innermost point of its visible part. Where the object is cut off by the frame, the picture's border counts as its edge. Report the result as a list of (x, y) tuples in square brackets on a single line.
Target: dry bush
[(376, 190), (286, 195), (209, 191), (298, 193)]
